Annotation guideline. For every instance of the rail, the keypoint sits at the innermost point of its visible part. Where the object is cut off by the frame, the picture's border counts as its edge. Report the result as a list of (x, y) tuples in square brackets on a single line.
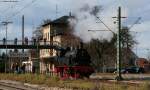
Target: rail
[(5, 86)]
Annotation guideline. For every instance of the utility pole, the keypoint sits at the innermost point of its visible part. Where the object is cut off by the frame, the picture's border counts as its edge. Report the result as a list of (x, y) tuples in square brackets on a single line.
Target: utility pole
[(6, 24), (119, 77), (23, 32), (56, 10)]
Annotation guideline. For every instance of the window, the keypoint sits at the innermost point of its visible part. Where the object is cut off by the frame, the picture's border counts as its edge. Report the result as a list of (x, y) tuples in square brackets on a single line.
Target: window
[(48, 35)]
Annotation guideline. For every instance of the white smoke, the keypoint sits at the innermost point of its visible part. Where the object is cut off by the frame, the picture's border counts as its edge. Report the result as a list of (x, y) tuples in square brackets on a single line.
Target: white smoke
[(86, 13)]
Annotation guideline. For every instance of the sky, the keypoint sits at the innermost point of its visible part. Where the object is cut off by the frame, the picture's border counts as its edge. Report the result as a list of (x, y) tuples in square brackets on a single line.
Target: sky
[(35, 11)]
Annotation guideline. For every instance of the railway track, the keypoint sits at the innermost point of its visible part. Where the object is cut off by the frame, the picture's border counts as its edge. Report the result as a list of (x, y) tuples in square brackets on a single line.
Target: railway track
[(8, 86), (129, 79), (130, 83)]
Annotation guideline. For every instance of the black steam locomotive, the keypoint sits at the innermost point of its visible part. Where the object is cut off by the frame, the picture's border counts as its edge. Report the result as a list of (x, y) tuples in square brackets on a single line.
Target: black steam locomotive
[(74, 63)]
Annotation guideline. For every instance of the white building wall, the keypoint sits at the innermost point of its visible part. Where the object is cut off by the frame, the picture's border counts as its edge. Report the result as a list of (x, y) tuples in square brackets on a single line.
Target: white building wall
[(45, 53)]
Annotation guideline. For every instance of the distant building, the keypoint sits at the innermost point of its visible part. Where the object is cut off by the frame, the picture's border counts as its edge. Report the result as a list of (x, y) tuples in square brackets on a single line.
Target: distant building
[(128, 58), (32, 62), (16, 57), (142, 62), (55, 32)]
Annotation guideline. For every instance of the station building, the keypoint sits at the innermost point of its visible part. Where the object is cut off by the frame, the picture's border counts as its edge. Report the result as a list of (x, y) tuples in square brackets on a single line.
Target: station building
[(59, 33)]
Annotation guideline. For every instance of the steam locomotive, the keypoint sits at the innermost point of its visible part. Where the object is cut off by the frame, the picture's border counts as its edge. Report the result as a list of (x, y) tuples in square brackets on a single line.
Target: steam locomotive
[(74, 63)]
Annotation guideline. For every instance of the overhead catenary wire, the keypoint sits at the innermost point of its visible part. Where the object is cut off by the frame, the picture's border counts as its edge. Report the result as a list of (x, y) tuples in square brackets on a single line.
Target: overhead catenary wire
[(4, 11), (105, 25), (16, 13), (8, 1), (137, 21)]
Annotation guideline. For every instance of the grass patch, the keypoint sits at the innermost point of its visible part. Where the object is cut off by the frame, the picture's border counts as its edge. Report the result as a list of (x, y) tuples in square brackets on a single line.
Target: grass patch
[(76, 84)]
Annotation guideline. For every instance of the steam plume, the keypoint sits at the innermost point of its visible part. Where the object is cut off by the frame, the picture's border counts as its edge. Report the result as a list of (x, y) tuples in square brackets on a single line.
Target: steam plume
[(86, 13)]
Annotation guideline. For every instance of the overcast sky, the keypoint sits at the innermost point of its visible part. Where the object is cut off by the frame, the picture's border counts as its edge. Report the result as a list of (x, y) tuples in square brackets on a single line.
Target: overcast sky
[(35, 11)]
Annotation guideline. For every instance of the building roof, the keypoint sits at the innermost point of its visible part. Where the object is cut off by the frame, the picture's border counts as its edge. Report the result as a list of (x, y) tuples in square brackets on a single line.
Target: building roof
[(62, 20), (59, 25), (142, 59)]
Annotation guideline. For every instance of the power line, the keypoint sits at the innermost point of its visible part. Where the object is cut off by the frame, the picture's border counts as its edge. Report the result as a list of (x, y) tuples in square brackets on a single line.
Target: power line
[(136, 22), (7, 9), (26, 6), (97, 30), (105, 25), (9, 1)]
